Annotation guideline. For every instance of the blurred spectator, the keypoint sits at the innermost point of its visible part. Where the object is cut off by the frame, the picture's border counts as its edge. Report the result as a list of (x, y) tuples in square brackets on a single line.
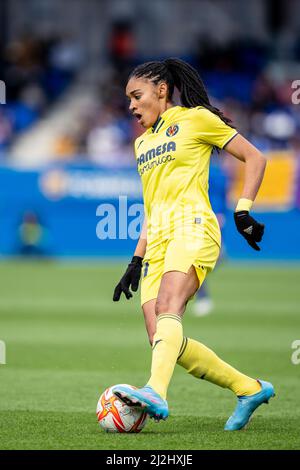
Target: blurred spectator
[(32, 236), (5, 131), (35, 72), (65, 147), (238, 80), (122, 46), (109, 141), (242, 78), (66, 55)]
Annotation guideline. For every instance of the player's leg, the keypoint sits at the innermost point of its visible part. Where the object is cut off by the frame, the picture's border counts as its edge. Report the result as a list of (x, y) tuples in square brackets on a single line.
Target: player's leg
[(172, 281), (150, 318), (199, 360), (175, 290), (195, 357), (203, 363)]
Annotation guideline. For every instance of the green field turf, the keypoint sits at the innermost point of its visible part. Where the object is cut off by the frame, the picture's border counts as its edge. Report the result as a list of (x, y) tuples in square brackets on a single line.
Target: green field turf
[(67, 341)]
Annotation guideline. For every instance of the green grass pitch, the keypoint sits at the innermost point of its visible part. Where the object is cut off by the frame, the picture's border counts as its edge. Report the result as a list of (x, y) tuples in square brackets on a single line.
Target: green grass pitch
[(66, 341)]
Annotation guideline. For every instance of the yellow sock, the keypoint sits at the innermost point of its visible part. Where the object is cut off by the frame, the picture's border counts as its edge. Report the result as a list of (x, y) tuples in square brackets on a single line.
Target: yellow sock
[(203, 363), (166, 345)]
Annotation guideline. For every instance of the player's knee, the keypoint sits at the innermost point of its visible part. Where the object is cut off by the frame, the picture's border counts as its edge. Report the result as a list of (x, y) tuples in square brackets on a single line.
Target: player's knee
[(168, 303), (162, 305)]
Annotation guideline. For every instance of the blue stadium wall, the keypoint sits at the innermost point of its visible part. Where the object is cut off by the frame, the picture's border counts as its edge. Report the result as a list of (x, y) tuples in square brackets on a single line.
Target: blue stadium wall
[(68, 203)]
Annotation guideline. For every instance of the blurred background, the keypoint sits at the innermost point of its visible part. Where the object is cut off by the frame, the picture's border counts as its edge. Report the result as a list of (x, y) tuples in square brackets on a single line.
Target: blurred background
[(66, 136)]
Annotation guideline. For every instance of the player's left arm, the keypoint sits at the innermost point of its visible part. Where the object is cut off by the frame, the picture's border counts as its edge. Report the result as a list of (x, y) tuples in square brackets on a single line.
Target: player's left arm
[(255, 164)]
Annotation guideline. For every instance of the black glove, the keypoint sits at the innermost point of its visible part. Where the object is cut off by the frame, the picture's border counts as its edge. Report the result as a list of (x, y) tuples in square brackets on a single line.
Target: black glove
[(131, 277), (251, 230)]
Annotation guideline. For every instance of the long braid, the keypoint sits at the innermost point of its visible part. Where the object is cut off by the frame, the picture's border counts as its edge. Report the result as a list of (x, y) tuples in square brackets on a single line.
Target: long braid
[(176, 72)]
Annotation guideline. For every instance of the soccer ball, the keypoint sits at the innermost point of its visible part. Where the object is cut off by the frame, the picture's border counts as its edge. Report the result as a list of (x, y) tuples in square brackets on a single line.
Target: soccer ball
[(114, 416)]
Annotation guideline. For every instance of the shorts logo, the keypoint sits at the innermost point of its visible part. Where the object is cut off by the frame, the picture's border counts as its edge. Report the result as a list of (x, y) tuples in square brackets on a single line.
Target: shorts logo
[(146, 267), (172, 130)]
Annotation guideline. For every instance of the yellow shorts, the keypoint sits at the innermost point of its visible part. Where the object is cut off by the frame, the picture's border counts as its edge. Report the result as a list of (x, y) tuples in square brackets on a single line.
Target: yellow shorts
[(177, 254)]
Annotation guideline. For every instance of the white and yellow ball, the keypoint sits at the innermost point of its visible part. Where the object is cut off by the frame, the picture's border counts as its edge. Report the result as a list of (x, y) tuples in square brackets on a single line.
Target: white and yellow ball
[(114, 416)]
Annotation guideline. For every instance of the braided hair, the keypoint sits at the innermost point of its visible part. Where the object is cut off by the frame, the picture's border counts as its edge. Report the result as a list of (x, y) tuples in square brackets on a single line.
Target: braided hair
[(178, 73)]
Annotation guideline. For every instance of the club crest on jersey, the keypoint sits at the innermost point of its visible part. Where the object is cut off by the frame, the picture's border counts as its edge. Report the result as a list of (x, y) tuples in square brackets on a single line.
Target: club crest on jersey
[(172, 130)]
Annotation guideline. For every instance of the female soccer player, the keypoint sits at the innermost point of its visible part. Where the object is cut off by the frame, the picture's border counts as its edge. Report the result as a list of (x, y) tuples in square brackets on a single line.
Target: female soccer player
[(180, 239)]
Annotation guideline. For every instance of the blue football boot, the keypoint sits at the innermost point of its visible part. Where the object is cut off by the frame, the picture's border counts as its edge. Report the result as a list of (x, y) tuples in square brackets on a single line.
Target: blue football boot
[(145, 398), (247, 405)]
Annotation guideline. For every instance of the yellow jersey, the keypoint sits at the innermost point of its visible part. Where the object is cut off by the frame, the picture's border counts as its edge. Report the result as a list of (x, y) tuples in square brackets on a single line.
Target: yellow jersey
[(173, 162)]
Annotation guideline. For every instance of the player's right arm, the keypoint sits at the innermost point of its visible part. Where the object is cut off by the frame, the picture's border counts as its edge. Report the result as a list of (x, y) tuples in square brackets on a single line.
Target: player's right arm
[(133, 272)]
